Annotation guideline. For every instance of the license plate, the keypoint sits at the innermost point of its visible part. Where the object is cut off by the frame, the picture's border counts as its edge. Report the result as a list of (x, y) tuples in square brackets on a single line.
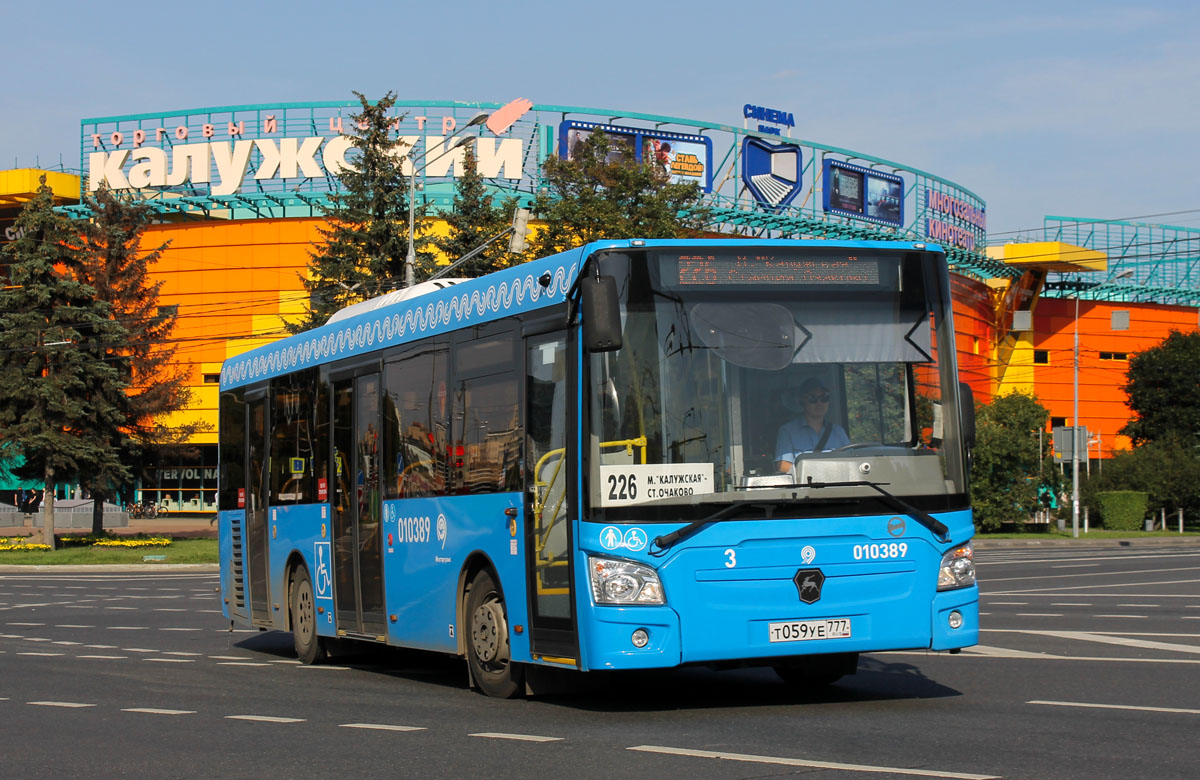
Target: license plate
[(805, 630)]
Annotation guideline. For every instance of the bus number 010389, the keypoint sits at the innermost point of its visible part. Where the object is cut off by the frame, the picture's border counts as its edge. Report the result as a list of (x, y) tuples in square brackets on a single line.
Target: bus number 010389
[(876, 552)]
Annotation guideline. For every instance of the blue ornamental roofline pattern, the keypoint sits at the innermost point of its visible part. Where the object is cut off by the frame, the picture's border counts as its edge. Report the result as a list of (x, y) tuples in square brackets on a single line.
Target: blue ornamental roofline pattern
[(501, 294)]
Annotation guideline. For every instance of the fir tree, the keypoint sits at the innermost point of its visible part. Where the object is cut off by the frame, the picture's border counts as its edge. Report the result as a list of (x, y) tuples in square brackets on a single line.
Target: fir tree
[(151, 382), (474, 219), (49, 408), (367, 239), (604, 193)]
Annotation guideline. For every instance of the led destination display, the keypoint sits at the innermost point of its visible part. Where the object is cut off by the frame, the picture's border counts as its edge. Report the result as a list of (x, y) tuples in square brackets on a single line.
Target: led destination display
[(692, 270)]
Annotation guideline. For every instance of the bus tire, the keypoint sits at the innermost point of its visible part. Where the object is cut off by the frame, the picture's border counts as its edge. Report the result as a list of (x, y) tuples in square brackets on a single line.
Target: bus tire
[(817, 671), (488, 651), (310, 648)]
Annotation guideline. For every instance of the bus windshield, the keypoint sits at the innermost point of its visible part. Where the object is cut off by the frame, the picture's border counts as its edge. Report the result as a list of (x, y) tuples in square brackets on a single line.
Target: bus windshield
[(774, 375)]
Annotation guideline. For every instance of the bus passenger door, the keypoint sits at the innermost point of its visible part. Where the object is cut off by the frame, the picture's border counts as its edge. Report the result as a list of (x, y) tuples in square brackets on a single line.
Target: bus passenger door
[(548, 533), (257, 535), (357, 521)]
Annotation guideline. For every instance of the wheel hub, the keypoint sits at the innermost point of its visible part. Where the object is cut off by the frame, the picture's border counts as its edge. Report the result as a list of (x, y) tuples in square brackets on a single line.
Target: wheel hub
[(485, 632)]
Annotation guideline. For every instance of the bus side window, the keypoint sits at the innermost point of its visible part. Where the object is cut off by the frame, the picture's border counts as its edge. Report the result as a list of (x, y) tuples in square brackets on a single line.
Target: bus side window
[(414, 424)]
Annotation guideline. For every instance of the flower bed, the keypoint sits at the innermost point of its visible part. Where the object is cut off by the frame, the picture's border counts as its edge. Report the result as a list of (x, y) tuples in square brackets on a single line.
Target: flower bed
[(23, 543)]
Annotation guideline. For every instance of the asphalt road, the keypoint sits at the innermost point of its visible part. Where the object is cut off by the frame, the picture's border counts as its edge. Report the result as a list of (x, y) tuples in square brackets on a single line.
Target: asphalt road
[(1086, 669)]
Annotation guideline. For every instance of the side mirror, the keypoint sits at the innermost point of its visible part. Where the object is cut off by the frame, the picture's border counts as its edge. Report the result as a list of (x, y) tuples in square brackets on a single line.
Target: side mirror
[(966, 406), (601, 309)]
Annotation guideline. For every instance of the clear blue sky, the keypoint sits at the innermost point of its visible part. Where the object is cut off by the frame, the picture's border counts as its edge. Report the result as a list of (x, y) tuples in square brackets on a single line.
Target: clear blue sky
[(1066, 108)]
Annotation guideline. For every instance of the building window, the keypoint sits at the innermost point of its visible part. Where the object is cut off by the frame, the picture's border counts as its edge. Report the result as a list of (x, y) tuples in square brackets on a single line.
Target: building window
[(1114, 356), (212, 379), (1057, 422), (1041, 356), (1120, 319)]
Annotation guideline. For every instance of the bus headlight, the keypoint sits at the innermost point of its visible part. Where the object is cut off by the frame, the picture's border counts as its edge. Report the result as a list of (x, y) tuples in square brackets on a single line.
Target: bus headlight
[(624, 582), (958, 568)]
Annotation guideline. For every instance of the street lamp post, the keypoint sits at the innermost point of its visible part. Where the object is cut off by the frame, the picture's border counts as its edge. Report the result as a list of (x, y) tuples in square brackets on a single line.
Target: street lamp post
[(1075, 418), (410, 260)]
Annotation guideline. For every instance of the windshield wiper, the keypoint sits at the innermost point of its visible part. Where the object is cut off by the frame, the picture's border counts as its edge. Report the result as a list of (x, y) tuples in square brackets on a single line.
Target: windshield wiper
[(666, 540), (922, 517)]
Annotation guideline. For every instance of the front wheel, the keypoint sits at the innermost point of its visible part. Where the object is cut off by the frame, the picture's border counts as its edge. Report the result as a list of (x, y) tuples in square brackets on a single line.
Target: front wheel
[(310, 648), (488, 652)]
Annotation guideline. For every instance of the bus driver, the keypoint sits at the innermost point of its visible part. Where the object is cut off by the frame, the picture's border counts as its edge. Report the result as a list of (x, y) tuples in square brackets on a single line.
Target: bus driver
[(810, 432)]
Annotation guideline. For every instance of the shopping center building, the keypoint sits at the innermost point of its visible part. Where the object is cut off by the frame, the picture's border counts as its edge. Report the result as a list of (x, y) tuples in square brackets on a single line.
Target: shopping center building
[(238, 193)]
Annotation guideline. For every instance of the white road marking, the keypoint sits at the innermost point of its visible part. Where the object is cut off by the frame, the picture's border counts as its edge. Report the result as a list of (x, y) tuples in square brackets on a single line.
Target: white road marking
[(1132, 617), (1057, 591), (26, 624), (1071, 604), (516, 737), (264, 718), (1124, 641), (1139, 605), (381, 727), (42, 654), (172, 660), (101, 647), (105, 657), (1090, 705), (138, 650), (154, 711), (71, 625), (239, 663), (288, 661), (1039, 614), (69, 704), (120, 607), (181, 652), (778, 760), (128, 628), (229, 657), (169, 609), (65, 642), (180, 629)]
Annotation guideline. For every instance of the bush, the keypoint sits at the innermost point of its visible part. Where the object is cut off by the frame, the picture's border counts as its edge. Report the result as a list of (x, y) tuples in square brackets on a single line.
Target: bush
[(1122, 510)]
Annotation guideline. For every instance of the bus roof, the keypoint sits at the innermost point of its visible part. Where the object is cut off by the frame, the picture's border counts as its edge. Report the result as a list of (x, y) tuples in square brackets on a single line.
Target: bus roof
[(474, 301)]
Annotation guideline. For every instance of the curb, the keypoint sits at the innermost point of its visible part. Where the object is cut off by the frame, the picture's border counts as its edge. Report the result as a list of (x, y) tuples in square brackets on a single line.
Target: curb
[(42, 568), (983, 543)]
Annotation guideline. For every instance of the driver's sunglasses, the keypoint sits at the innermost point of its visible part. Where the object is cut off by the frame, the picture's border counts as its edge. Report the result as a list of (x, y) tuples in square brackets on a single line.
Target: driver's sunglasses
[(817, 398)]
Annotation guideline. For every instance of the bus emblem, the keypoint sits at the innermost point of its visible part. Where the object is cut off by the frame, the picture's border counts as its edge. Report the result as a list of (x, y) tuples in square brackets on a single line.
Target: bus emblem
[(896, 526), (808, 554), (808, 584)]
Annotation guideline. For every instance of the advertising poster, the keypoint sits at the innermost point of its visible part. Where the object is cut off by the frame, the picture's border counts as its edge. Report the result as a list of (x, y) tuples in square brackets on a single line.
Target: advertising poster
[(685, 158), (846, 190), (863, 193), (883, 199)]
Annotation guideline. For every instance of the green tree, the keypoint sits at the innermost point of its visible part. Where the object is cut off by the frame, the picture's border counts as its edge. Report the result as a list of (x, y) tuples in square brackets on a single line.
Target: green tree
[(49, 408), (1006, 471), (1163, 385), (152, 383), (474, 218), (1166, 469), (604, 193), (365, 245)]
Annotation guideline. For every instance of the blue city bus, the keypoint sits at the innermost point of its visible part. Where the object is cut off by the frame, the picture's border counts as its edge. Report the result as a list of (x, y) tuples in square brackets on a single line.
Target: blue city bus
[(581, 463)]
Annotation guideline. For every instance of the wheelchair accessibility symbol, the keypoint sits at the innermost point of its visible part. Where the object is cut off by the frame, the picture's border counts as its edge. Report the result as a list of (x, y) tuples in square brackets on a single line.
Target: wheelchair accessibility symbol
[(322, 583)]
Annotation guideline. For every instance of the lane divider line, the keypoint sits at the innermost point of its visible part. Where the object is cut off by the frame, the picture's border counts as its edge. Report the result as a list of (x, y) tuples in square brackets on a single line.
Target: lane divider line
[(1138, 708), (516, 737), (67, 704), (781, 761), (264, 718), (380, 727), (156, 711)]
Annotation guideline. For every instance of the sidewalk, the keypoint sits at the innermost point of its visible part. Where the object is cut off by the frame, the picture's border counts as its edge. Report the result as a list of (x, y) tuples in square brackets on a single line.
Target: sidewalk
[(175, 526)]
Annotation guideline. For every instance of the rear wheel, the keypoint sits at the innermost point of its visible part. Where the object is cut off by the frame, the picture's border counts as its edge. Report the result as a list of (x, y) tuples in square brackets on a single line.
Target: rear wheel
[(488, 652), (310, 648), (819, 670)]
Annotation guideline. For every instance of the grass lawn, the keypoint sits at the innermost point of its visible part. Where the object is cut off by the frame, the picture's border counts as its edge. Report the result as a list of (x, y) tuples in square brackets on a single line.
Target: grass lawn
[(179, 551)]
